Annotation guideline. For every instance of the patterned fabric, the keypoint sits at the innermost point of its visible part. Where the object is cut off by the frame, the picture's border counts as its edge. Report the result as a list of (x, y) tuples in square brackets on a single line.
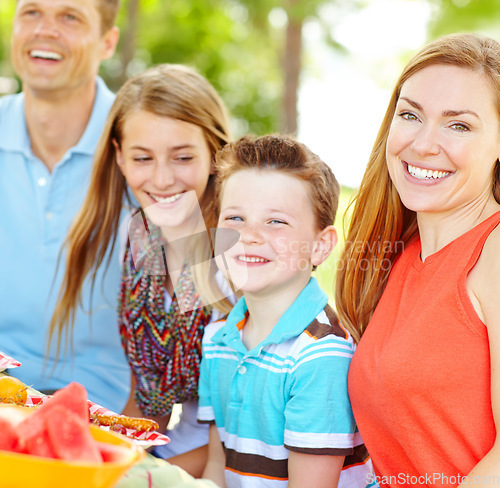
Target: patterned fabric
[(163, 347)]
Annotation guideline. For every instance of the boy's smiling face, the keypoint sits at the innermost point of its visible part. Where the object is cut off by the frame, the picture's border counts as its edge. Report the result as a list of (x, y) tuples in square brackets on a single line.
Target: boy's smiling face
[(279, 238)]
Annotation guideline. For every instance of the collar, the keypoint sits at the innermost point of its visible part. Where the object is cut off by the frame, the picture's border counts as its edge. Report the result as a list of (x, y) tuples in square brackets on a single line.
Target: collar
[(14, 131), (310, 302)]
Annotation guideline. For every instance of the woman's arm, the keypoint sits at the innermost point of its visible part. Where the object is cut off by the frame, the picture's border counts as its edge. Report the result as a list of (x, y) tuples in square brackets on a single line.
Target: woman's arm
[(194, 462), (216, 459), (132, 410), (315, 470), (484, 285)]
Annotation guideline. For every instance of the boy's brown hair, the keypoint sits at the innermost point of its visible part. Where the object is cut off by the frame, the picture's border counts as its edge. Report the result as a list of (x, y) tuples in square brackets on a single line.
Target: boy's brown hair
[(283, 153)]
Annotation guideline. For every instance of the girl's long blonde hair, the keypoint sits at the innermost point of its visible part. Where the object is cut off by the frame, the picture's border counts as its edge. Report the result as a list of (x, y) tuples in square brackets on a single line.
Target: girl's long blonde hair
[(380, 226), (166, 90)]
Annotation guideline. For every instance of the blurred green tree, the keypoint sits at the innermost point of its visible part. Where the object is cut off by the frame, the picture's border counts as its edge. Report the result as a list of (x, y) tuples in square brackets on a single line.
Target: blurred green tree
[(290, 46), (215, 37), (465, 16), (254, 64), (6, 14)]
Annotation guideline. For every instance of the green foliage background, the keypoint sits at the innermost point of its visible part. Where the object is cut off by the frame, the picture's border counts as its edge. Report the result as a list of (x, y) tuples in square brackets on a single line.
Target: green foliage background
[(214, 37), (233, 44)]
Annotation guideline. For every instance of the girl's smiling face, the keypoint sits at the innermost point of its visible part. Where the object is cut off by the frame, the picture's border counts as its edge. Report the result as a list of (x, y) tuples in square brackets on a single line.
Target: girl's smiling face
[(444, 139), (279, 238), (166, 163)]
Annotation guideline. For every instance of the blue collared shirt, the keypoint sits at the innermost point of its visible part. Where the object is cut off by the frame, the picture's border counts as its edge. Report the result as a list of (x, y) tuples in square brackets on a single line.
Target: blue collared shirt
[(37, 207)]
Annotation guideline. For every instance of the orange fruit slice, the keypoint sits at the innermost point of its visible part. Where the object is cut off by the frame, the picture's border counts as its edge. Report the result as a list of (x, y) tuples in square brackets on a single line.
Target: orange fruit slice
[(13, 390)]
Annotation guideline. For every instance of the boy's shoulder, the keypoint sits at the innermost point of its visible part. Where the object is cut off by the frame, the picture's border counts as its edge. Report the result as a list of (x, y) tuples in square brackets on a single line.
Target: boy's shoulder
[(326, 326), (324, 336), (212, 328)]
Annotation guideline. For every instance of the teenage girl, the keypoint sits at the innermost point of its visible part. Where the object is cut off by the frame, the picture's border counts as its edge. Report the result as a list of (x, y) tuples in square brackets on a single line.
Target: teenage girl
[(157, 149)]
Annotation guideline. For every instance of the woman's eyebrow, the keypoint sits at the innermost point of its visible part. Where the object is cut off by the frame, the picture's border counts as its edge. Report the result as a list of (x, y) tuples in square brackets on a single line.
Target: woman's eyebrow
[(446, 113)]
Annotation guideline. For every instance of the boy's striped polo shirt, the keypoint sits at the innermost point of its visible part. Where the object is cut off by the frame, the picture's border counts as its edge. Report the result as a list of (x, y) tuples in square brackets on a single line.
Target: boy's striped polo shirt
[(287, 394)]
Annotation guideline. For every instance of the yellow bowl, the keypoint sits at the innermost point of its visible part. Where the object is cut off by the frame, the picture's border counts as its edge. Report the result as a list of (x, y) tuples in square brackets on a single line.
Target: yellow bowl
[(26, 471)]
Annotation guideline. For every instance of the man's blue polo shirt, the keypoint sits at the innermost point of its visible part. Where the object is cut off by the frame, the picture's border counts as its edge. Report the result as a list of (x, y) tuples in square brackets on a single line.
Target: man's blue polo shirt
[(37, 208), (289, 393)]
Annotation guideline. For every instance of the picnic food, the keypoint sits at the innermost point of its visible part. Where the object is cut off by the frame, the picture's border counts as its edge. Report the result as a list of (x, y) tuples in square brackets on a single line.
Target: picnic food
[(140, 424), (58, 429), (19, 470), (13, 390)]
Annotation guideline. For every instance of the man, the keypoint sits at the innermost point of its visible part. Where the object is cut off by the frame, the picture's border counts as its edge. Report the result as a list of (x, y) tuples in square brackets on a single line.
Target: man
[(48, 134)]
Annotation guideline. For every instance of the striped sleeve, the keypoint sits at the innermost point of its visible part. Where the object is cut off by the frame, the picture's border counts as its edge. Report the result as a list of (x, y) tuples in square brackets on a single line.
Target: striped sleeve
[(205, 406), (205, 409), (326, 426)]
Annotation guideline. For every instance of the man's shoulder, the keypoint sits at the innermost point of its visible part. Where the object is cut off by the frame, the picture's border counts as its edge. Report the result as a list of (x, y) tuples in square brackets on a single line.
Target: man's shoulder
[(10, 105), (12, 122)]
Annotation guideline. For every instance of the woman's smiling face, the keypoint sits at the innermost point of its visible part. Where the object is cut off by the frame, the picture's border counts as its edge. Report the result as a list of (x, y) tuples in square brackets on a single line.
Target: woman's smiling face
[(444, 139), (166, 163)]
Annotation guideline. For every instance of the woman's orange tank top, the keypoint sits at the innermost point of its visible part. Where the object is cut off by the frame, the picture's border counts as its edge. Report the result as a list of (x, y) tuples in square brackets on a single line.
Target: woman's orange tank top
[(419, 380)]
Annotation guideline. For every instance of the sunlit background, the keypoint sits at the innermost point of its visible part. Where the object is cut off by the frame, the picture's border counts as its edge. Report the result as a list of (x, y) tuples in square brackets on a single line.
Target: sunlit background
[(351, 53), (321, 69), (344, 96)]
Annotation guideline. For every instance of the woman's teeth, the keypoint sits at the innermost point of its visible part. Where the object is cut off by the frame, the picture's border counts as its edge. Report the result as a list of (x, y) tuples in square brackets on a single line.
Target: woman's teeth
[(249, 259), (171, 199), (423, 174)]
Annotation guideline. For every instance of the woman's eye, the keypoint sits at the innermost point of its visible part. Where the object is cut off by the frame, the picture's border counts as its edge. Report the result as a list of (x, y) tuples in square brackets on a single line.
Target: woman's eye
[(460, 127), (408, 116)]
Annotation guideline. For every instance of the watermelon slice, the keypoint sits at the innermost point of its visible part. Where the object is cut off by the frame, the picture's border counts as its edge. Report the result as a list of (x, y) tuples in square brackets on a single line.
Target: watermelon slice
[(70, 437), (111, 453), (58, 429), (9, 438), (34, 439), (73, 396)]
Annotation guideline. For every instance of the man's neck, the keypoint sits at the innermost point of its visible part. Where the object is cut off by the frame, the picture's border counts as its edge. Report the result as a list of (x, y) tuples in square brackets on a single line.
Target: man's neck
[(56, 123)]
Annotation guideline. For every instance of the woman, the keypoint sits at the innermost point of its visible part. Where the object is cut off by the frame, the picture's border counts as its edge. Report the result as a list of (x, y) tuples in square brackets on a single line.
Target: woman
[(420, 275), (159, 142)]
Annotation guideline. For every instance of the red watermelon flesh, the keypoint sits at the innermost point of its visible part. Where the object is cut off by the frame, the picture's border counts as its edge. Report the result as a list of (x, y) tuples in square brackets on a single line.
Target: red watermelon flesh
[(8, 438), (59, 429), (112, 453), (70, 436), (73, 397), (35, 441)]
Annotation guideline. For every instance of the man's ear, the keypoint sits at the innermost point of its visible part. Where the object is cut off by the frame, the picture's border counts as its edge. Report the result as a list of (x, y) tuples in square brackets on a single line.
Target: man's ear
[(109, 42), (325, 241)]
